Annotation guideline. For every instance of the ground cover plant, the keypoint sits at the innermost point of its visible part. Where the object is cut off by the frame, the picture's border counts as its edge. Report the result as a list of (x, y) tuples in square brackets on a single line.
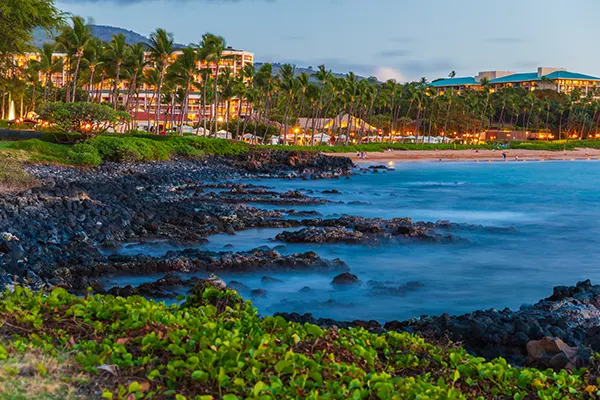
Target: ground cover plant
[(215, 346)]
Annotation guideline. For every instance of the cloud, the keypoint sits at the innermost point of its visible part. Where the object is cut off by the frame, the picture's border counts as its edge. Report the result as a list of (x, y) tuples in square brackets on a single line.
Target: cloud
[(505, 40), (393, 53), (387, 73), (403, 39), (417, 68)]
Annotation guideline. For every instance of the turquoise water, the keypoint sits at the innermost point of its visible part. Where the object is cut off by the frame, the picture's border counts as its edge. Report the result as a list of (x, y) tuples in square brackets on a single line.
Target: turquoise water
[(540, 227)]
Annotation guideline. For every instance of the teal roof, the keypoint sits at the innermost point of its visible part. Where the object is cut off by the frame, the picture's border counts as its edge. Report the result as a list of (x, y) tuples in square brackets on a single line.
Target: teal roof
[(454, 82), (528, 76), (571, 75)]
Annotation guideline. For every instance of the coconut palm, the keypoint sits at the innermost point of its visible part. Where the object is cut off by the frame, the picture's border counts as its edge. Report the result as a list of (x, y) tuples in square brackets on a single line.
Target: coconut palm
[(184, 71), (94, 59), (48, 65), (161, 47), (214, 47), (117, 51), (74, 39), (287, 80), (134, 66)]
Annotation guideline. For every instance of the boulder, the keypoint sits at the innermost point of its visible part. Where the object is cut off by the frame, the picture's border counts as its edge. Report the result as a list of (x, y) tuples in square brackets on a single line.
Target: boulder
[(553, 353), (345, 279)]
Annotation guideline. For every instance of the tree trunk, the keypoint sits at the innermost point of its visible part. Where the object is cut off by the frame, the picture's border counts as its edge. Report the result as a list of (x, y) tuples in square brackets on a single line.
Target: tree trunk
[(186, 100), (75, 75), (116, 87), (216, 94), (158, 96)]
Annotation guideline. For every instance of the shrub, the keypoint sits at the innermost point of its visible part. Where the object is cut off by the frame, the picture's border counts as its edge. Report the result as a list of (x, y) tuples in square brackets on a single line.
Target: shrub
[(84, 154), (40, 150), (3, 124), (186, 150), (63, 137), (89, 119), (216, 346), (130, 149)]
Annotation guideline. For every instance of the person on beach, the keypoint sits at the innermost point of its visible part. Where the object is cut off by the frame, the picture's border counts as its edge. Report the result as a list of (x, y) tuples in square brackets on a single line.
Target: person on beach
[(516, 158), (504, 155), (357, 153)]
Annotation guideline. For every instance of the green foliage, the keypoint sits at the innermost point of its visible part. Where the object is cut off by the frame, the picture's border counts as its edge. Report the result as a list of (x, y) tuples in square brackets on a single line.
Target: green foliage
[(217, 346), (63, 137), (3, 123), (185, 150), (84, 154), (83, 117), (19, 18), (380, 147), (41, 151)]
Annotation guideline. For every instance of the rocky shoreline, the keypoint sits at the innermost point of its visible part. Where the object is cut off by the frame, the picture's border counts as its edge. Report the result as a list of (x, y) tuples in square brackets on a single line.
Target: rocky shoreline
[(62, 233)]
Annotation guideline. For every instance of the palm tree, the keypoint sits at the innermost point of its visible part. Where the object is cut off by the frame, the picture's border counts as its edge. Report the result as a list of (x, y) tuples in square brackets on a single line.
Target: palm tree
[(135, 64), (214, 46), (152, 78), (74, 40), (117, 51), (161, 49), (184, 71), (286, 74), (94, 57), (240, 90), (48, 65)]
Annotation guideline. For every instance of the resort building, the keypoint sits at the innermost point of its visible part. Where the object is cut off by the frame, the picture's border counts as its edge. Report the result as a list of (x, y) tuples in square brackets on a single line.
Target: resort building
[(557, 79), (144, 103)]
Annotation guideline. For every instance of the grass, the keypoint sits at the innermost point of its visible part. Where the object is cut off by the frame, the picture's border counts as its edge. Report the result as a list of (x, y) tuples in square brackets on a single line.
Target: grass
[(34, 375), (4, 144), (13, 177), (215, 346), (145, 147)]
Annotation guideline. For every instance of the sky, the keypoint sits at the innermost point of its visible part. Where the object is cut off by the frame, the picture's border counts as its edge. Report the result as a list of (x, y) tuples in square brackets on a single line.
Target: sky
[(390, 39)]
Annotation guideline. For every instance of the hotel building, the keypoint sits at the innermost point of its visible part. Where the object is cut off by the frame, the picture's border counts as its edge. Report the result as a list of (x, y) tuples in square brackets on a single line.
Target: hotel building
[(145, 101), (557, 79)]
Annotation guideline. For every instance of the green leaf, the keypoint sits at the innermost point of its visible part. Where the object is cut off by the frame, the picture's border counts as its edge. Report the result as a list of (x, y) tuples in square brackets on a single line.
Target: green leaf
[(134, 387), (314, 330), (230, 397), (455, 376), (259, 387), (199, 376), (107, 395)]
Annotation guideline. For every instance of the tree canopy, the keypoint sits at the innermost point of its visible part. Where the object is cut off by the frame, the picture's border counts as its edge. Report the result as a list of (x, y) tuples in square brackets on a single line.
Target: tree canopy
[(18, 18)]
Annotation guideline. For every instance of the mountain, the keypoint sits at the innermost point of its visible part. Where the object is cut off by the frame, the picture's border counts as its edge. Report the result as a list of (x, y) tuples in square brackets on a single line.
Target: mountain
[(106, 33), (103, 32), (310, 71)]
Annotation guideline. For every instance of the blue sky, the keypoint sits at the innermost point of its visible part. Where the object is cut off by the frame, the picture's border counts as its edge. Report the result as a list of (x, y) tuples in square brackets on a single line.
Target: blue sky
[(401, 39)]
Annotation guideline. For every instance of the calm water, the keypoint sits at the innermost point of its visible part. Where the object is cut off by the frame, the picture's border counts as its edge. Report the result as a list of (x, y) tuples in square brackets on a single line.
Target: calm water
[(554, 208)]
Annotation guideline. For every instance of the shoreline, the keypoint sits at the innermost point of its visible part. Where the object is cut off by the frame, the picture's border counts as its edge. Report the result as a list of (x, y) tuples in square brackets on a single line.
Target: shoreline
[(473, 155)]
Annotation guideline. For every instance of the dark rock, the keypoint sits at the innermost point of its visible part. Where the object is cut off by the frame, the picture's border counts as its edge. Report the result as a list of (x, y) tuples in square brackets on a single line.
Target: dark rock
[(345, 279), (554, 353), (258, 293), (268, 279)]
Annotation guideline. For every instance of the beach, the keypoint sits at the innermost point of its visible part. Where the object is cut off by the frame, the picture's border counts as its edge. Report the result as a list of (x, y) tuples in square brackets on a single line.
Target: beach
[(474, 155)]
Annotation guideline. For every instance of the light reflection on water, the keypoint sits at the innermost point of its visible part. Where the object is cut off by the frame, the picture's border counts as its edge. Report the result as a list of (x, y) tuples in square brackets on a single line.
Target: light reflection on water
[(554, 207)]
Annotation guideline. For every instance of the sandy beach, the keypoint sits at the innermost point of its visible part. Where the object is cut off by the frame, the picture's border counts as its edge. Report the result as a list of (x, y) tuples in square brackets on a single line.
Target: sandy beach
[(475, 155)]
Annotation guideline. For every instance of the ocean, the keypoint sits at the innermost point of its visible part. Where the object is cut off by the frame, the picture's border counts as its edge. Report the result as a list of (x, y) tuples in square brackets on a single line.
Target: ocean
[(530, 226)]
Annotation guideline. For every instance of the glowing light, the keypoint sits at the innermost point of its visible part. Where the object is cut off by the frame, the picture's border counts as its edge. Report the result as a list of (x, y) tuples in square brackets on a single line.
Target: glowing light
[(220, 119), (391, 163), (11, 111)]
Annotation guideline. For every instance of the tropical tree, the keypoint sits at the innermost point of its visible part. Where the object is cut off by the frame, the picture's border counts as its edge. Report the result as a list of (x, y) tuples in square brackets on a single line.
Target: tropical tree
[(47, 65), (161, 47), (117, 52), (74, 39), (184, 71), (214, 46)]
